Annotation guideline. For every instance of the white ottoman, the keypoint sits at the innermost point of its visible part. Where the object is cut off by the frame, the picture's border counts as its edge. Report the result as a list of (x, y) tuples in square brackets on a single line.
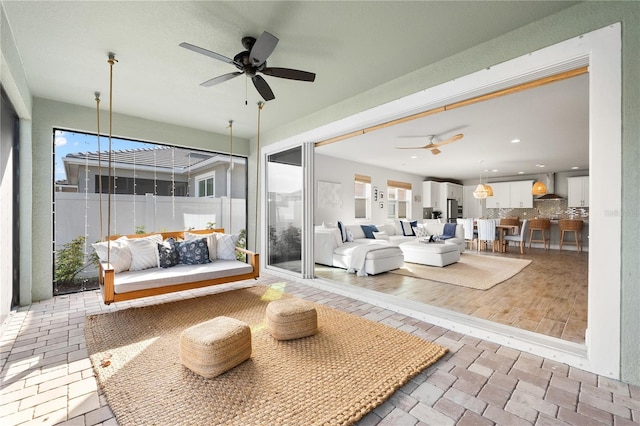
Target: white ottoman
[(432, 254)]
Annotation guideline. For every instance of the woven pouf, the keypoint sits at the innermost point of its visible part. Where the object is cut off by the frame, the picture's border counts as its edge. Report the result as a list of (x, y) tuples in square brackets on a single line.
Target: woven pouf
[(215, 346), (291, 319)]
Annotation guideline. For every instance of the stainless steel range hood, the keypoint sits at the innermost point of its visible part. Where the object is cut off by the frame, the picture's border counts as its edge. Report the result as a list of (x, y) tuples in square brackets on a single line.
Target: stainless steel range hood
[(550, 181)]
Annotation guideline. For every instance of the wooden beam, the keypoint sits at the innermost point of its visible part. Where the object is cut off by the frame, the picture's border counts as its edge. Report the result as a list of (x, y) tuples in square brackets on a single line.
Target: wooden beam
[(503, 92)]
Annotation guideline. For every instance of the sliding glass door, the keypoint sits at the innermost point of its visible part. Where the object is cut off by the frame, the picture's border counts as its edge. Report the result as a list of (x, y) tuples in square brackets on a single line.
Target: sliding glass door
[(285, 184)]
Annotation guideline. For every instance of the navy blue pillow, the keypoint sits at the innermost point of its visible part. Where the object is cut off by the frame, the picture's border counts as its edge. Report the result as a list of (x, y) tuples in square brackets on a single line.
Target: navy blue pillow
[(407, 228), (369, 230), (168, 253), (343, 231), (449, 231), (194, 252)]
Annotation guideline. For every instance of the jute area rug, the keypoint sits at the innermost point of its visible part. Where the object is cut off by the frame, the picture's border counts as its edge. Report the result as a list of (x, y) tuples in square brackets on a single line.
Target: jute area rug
[(334, 377), (472, 270)]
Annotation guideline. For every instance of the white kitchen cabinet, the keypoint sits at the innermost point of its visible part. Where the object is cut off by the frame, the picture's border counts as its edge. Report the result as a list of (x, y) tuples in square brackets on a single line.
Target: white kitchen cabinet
[(431, 195), (521, 197), (501, 195), (511, 195), (578, 188), (454, 191)]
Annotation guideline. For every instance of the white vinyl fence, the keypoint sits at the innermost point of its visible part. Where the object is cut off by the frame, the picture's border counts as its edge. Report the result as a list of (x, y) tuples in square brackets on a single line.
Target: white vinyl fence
[(78, 214)]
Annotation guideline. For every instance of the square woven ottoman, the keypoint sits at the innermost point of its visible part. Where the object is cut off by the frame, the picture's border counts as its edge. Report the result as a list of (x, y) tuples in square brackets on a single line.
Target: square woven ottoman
[(289, 319), (215, 346)]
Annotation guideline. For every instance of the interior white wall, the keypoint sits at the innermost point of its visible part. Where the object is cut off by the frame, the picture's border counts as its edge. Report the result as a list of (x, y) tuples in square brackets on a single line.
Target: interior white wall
[(331, 169)]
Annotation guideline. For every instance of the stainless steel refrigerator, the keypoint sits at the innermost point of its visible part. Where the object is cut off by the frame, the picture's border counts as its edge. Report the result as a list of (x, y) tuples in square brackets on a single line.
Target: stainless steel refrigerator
[(452, 210)]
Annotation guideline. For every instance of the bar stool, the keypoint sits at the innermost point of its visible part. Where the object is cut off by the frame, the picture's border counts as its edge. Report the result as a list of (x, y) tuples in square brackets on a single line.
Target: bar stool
[(542, 225), (571, 225)]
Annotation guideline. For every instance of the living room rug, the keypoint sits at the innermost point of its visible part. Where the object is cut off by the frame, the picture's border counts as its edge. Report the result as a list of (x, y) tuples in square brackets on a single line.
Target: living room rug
[(334, 377), (472, 270)]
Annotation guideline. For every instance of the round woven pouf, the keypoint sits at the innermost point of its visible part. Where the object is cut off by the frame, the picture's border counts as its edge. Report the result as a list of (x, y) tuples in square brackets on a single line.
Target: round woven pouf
[(215, 346), (291, 319)]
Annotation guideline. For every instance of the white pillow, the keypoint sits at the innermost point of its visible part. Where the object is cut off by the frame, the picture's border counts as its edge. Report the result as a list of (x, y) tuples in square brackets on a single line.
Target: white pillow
[(212, 242), (420, 231), (382, 235), (349, 236), (144, 252), (227, 246), (330, 225), (120, 254)]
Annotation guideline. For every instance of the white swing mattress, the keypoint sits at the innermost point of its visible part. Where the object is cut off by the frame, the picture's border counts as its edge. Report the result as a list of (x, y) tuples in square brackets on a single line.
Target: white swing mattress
[(127, 281)]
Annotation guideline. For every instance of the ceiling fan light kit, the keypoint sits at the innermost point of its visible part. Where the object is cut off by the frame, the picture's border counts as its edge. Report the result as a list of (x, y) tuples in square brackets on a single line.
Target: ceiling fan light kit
[(251, 62)]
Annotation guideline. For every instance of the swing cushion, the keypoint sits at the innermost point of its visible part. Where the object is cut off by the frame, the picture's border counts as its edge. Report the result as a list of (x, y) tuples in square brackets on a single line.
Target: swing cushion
[(227, 246), (120, 254), (144, 252), (194, 252), (168, 253), (211, 242)]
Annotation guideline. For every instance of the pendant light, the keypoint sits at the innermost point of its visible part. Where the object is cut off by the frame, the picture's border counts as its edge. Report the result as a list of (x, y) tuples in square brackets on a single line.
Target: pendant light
[(539, 188), (489, 190), (481, 191)]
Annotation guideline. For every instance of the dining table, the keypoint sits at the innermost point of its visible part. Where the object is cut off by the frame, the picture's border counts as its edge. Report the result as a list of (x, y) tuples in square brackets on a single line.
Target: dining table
[(504, 230)]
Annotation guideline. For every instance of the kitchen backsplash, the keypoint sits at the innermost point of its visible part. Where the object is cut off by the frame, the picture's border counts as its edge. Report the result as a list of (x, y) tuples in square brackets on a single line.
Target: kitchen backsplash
[(552, 209)]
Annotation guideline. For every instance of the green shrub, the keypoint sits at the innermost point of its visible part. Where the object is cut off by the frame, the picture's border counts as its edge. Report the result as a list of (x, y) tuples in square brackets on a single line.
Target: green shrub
[(70, 260)]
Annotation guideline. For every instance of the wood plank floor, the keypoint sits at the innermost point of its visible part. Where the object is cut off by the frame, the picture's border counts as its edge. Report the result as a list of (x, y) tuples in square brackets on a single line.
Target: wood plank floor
[(548, 297)]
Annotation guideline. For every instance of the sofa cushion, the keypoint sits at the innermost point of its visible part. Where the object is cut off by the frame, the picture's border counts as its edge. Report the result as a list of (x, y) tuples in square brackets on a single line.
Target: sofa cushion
[(382, 235), (369, 230), (357, 231), (212, 242)]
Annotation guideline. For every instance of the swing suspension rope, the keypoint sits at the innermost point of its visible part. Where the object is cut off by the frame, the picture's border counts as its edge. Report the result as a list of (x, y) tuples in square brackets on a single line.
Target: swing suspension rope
[(255, 235), (112, 60), (230, 172), (97, 94)]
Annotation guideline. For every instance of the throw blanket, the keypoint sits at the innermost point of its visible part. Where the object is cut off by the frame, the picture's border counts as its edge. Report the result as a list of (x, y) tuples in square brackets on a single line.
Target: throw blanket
[(359, 257)]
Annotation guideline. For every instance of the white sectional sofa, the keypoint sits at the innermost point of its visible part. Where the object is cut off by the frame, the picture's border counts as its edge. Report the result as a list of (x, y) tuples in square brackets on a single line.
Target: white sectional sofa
[(331, 249)]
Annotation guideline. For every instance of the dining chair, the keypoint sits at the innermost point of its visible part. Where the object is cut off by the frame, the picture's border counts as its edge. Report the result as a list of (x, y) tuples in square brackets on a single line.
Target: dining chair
[(487, 233), (470, 233), (520, 238)]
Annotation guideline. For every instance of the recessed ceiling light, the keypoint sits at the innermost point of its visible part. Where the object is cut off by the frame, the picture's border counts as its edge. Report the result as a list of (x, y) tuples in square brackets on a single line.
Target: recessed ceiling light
[(520, 173), (494, 170), (575, 168), (414, 156), (515, 140), (539, 165)]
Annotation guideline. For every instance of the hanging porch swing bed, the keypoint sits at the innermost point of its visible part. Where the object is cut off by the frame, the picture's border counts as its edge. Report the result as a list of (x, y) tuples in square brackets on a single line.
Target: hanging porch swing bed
[(118, 284)]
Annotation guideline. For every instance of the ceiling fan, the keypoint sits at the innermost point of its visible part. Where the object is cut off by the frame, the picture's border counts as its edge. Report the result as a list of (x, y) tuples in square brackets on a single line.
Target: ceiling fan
[(252, 61), (433, 146)]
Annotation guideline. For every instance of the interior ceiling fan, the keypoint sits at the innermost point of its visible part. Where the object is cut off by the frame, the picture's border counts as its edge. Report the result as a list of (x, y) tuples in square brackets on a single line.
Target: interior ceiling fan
[(252, 61), (433, 146)]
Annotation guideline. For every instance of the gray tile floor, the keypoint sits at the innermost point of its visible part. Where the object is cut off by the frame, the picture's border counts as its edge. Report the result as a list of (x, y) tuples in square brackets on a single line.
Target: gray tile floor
[(47, 377)]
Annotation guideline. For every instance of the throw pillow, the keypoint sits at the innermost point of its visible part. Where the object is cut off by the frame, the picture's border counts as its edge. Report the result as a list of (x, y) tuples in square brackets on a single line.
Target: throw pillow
[(407, 228), (212, 242), (194, 252), (382, 235), (120, 254), (144, 252), (420, 231), (168, 253), (343, 231), (227, 246), (369, 230), (349, 236)]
